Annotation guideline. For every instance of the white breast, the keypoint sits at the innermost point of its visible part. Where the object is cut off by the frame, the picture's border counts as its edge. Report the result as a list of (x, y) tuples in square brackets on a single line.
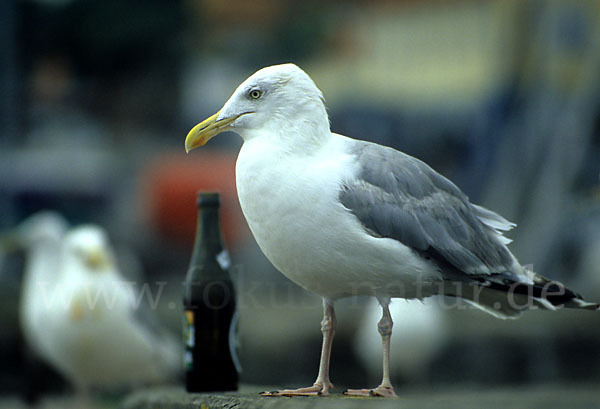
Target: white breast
[(292, 207)]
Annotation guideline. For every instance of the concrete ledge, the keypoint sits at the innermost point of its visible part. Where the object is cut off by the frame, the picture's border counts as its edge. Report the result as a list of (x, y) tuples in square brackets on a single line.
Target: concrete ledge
[(543, 397)]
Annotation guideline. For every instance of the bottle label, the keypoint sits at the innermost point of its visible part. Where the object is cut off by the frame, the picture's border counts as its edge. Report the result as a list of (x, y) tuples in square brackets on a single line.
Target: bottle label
[(224, 260), (188, 339), (234, 341), (188, 329), (188, 360)]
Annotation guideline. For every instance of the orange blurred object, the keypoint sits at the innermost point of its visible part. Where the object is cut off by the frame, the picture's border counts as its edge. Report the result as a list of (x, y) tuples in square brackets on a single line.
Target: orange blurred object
[(171, 184)]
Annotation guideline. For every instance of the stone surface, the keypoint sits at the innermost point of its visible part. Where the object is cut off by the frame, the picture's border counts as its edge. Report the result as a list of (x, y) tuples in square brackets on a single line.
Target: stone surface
[(537, 397)]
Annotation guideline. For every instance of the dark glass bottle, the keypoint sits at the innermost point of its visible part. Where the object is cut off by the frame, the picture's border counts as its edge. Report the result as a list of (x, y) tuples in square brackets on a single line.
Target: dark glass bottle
[(209, 307)]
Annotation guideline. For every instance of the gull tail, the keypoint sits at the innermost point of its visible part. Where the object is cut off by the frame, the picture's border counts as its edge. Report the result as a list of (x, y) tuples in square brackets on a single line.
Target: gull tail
[(505, 298), (556, 295)]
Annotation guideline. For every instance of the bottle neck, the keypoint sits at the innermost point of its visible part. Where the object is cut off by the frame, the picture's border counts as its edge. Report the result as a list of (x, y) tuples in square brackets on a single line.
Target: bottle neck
[(207, 244)]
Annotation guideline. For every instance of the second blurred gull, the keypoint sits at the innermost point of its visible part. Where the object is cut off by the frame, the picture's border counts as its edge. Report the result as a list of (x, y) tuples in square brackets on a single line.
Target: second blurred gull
[(80, 314)]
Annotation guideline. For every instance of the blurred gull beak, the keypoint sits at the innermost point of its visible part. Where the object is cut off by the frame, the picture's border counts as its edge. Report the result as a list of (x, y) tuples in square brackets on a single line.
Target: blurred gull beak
[(96, 259)]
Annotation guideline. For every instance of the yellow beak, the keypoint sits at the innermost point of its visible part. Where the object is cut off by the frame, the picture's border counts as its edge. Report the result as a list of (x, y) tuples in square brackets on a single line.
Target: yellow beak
[(96, 259), (207, 129)]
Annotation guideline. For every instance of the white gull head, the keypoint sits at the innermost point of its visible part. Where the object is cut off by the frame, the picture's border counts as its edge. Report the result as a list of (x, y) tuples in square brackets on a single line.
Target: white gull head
[(280, 101), (86, 248)]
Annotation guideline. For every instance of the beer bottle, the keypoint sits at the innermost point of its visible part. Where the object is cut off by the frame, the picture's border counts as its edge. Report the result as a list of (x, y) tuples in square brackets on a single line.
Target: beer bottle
[(209, 307)]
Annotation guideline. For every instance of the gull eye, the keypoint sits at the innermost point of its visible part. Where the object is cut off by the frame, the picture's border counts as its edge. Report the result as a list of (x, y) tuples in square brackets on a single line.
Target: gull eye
[(255, 94)]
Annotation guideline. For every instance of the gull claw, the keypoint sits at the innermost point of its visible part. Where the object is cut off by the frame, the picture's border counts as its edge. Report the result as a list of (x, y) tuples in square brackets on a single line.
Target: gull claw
[(315, 390), (380, 391)]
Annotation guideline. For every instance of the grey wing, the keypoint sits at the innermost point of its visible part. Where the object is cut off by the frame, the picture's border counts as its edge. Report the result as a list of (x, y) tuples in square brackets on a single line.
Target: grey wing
[(399, 197)]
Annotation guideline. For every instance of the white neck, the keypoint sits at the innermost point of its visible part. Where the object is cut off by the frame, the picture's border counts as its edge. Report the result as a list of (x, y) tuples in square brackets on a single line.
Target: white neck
[(299, 136)]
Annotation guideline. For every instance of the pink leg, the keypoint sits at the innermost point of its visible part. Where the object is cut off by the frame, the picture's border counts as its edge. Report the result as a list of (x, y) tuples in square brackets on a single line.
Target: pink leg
[(322, 384), (385, 330)]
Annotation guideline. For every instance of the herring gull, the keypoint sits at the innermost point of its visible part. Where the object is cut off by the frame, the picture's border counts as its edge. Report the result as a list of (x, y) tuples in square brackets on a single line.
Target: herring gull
[(343, 217), (79, 313)]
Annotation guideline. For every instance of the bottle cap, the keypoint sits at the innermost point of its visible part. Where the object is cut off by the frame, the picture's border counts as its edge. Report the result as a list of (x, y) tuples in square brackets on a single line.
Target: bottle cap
[(208, 199)]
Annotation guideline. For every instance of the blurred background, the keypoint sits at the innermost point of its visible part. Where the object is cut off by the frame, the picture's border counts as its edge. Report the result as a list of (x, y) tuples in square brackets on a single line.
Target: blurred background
[(502, 97)]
